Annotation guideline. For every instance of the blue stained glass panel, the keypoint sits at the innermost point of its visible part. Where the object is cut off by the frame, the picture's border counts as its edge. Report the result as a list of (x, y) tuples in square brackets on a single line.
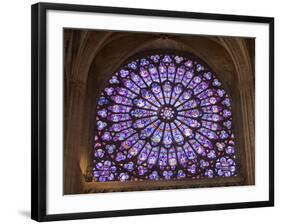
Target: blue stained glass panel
[(163, 117)]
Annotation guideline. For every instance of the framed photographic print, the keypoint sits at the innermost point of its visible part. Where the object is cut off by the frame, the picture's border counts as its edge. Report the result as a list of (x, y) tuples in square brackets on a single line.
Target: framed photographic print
[(138, 111)]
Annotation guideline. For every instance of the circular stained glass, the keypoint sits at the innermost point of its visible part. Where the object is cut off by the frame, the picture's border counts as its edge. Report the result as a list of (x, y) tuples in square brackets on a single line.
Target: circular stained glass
[(163, 117)]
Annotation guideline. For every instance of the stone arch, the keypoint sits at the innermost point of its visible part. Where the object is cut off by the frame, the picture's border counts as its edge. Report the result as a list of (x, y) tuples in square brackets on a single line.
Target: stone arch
[(87, 49)]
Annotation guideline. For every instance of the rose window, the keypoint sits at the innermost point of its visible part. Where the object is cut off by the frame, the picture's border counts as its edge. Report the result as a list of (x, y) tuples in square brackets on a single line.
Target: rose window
[(163, 117)]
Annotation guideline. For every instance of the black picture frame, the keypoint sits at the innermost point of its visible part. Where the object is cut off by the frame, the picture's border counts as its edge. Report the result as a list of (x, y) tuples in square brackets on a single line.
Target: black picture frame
[(39, 122)]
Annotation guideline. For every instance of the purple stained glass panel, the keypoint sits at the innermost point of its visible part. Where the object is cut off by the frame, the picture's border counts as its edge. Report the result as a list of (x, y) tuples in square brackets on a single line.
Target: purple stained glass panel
[(163, 117)]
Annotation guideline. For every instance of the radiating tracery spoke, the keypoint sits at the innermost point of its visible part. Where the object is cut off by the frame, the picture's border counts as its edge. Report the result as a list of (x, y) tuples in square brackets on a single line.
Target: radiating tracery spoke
[(163, 116)]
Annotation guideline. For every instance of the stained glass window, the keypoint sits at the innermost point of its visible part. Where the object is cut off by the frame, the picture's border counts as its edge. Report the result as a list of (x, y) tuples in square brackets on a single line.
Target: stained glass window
[(163, 117)]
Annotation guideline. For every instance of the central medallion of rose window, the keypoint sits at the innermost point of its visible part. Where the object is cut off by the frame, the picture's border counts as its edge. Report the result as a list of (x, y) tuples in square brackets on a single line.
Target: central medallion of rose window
[(167, 113)]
